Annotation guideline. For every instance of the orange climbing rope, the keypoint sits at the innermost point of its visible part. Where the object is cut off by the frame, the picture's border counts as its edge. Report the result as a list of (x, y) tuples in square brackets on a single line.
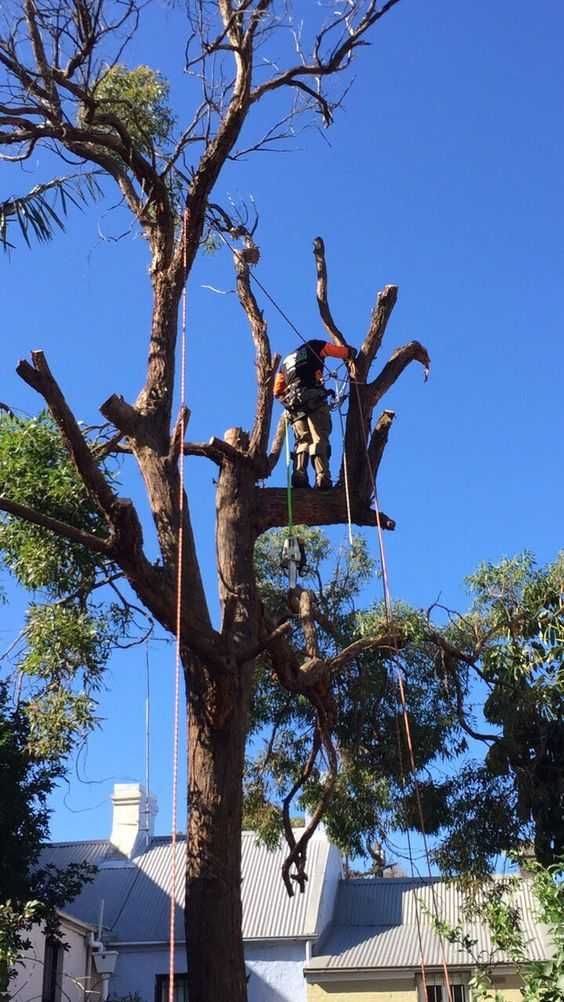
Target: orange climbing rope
[(178, 661)]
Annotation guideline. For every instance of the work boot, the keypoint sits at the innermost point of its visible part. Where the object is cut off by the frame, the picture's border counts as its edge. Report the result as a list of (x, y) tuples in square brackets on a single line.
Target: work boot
[(299, 479), (323, 482), (299, 474)]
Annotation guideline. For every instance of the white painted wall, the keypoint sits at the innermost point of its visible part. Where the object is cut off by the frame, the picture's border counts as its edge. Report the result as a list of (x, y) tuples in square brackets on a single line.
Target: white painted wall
[(276, 971), (138, 966), (27, 985)]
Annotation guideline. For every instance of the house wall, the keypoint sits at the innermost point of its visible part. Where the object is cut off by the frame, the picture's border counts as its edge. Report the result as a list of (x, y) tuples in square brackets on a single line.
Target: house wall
[(29, 980), (276, 971), (363, 991), (393, 991), (137, 967)]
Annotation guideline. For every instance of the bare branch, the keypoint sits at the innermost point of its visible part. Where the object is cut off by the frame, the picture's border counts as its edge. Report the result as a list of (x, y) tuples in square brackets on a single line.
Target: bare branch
[(265, 365), (94, 543), (338, 58), (411, 352), (385, 302), (388, 641), (40, 378), (321, 292)]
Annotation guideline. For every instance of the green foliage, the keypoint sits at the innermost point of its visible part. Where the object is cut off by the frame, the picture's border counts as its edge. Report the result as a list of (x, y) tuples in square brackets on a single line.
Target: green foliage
[(41, 212), (29, 892), (35, 470), (492, 902), (517, 794), (374, 780), (139, 98), (68, 639)]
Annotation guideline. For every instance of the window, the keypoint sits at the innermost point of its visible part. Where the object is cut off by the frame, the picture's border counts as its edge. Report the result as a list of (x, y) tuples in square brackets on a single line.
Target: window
[(180, 988), (438, 993), (52, 971)]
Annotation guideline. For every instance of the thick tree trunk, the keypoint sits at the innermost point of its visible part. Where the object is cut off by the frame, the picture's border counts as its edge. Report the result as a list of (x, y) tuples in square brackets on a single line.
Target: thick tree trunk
[(217, 718), (216, 969)]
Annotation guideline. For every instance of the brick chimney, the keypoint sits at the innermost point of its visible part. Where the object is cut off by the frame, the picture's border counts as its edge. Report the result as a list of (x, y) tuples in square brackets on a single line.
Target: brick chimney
[(133, 818)]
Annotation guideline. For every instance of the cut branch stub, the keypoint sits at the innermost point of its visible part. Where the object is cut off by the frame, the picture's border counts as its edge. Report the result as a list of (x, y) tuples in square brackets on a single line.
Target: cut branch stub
[(376, 446), (385, 302)]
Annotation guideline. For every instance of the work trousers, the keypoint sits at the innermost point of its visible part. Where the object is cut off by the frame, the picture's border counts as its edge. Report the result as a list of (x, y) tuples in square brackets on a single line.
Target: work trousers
[(312, 437)]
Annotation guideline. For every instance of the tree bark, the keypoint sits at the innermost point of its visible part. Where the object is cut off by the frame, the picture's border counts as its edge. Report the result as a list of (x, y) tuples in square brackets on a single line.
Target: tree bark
[(213, 914), (217, 727)]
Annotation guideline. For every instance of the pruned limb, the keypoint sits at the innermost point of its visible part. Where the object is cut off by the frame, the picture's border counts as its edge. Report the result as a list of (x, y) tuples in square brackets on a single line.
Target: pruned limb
[(321, 292), (94, 543), (218, 450), (277, 443), (385, 302), (228, 451), (265, 365), (314, 508), (377, 444), (126, 418), (401, 358), (379, 439), (177, 437)]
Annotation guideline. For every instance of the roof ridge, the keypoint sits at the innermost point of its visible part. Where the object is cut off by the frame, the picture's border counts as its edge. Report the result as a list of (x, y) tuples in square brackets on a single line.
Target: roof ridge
[(394, 881), (78, 841)]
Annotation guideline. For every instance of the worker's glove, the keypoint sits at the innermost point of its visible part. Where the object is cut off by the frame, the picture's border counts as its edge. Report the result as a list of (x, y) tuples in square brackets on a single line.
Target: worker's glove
[(353, 352)]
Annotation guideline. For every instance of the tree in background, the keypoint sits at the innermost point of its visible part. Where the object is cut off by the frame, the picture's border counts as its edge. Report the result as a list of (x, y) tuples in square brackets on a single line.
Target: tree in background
[(29, 892), (66, 89), (509, 646), (507, 651), (375, 783)]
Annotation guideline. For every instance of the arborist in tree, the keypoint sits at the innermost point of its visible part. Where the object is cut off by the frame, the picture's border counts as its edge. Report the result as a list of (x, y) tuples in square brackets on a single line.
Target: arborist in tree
[(299, 387)]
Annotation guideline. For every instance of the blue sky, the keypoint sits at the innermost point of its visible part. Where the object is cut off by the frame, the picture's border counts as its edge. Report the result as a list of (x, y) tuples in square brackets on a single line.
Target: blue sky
[(443, 174)]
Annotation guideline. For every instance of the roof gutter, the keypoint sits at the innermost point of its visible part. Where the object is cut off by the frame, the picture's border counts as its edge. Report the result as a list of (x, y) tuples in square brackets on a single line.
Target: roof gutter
[(387, 973), (251, 940)]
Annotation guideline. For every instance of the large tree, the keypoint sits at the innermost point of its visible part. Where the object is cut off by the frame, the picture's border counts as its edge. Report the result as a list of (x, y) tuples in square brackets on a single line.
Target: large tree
[(65, 89)]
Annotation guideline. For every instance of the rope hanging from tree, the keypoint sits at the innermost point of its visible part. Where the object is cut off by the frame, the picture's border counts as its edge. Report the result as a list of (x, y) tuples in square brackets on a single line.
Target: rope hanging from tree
[(178, 660)]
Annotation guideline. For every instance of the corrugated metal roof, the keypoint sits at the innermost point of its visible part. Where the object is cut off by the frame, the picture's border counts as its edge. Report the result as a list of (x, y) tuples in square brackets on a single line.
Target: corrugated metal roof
[(137, 894), (375, 926), (93, 851)]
